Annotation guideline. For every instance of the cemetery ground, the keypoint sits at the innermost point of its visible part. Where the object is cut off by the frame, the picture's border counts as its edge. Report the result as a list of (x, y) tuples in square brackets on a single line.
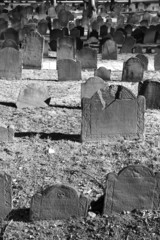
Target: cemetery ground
[(47, 150)]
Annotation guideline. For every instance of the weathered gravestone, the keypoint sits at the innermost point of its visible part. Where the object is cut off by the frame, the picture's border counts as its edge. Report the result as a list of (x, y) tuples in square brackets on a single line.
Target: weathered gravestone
[(32, 96), (128, 45), (133, 70), (109, 50), (66, 48), (105, 115), (103, 73), (119, 37), (144, 60), (6, 195), (10, 64), (68, 70), (58, 202), (157, 62), (151, 91), (33, 51), (149, 36), (87, 57), (10, 43), (11, 33), (6, 133), (135, 187)]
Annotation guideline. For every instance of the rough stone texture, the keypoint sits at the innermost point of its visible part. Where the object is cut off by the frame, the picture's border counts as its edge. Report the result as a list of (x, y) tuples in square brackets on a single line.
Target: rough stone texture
[(103, 73), (144, 61), (105, 115), (32, 96), (11, 33), (10, 43), (10, 64), (149, 36), (151, 91), (135, 187), (33, 51), (87, 57), (66, 48), (109, 50), (157, 62), (128, 45), (58, 202), (68, 70), (6, 133), (119, 37), (133, 70)]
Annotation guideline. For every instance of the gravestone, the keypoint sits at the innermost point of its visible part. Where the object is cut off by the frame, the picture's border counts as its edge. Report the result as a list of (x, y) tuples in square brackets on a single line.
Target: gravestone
[(6, 133), (103, 73), (132, 70), (144, 61), (33, 51), (138, 34), (144, 23), (46, 48), (109, 50), (103, 31), (93, 33), (10, 43), (32, 96), (151, 91), (118, 37), (52, 12), (68, 70), (105, 115), (10, 64), (63, 17), (56, 24), (138, 49), (81, 29), (149, 36), (53, 45), (66, 48), (157, 62), (128, 29), (6, 195), (134, 187), (55, 34), (79, 44), (128, 45), (58, 202), (65, 31), (3, 25), (87, 57), (42, 27), (11, 33), (75, 33)]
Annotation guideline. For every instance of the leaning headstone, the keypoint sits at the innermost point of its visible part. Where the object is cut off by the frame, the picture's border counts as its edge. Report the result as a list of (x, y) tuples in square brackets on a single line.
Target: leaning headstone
[(33, 51), (105, 115), (109, 50), (134, 187), (10, 64), (103, 73), (87, 57), (149, 36), (128, 45), (157, 62), (144, 60), (58, 202), (6, 133), (66, 48), (68, 70), (151, 91), (32, 96), (133, 70)]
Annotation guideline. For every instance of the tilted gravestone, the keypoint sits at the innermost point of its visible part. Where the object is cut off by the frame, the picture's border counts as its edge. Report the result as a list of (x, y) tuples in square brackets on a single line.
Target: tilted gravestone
[(87, 57), (6, 133), (68, 70), (149, 36), (105, 115), (144, 60), (151, 91), (118, 37), (32, 96), (33, 51), (128, 45), (10, 64), (133, 70), (109, 50), (10, 43), (58, 202), (66, 48), (103, 73), (157, 62), (134, 187)]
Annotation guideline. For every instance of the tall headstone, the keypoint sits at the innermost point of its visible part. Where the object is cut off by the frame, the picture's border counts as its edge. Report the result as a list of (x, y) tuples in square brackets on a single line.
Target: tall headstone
[(87, 57), (68, 70), (109, 50)]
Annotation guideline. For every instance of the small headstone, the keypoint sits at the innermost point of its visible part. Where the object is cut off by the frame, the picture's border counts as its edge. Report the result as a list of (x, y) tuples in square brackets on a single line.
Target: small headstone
[(138, 34), (87, 57), (119, 37), (149, 36), (103, 73), (157, 61), (135, 187), (132, 70), (68, 70), (32, 96), (58, 202), (81, 29), (6, 133), (128, 45), (144, 60), (109, 50)]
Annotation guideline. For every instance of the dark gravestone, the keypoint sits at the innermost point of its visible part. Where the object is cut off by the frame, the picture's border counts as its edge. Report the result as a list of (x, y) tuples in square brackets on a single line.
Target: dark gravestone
[(151, 91), (103, 73), (55, 34), (3, 25), (87, 57), (109, 50), (138, 49), (10, 64), (66, 48), (119, 37), (138, 34), (33, 51), (56, 23), (65, 31), (11, 33), (68, 70), (132, 70), (105, 115), (58, 202), (6, 195), (75, 33), (42, 27), (94, 33), (6, 133), (9, 43), (79, 44), (63, 18), (46, 48), (53, 45), (149, 36), (81, 29), (144, 61), (135, 187), (32, 96), (103, 31), (128, 45), (157, 62)]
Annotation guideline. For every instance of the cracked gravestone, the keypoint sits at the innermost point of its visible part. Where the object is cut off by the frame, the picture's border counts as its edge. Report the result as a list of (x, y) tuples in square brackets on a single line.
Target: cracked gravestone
[(105, 115), (109, 50), (58, 202), (128, 45), (133, 70), (103, 73), (68, 70), (32, 96), (134, 187), (87, 57), (144, 60), (33, 51), (6, 133)]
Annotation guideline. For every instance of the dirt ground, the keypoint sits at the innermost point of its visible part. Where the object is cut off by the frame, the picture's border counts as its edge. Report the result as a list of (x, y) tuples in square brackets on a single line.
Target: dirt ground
[(56, 129)]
